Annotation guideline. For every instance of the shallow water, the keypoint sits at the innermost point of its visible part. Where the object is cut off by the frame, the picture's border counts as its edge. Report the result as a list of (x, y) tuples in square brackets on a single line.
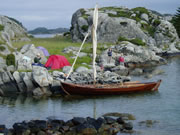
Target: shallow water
[(163, 106)]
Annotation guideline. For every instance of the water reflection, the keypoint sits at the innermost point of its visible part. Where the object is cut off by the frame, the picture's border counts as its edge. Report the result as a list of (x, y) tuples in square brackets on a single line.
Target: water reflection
[(163, 105)]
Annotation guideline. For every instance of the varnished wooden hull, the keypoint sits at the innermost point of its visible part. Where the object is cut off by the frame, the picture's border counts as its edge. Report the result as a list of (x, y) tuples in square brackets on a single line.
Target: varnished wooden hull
[(76, 89)]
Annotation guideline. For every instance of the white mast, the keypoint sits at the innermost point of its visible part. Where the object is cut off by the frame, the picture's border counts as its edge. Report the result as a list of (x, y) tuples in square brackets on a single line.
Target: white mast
[(94, 39)]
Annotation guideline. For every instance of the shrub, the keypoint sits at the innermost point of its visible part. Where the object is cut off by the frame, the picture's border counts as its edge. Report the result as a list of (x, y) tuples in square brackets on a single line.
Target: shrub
[(84, 28), (156, 22), (84, 15), (124, 23), (122, 39), (10, 60), (120, 14), (137, 41), (1, 42), (66, 34), (2, 48), (176, 21), (141, 10), (1, 27)]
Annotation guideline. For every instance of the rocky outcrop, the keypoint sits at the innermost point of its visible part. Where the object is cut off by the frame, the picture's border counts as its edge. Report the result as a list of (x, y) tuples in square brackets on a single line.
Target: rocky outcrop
[(75, 126), (10, 30), (25, 57), (41, 83), (119, 24)]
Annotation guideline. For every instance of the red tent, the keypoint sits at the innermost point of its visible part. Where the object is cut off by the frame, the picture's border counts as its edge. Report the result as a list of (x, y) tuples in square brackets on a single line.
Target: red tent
[(57, 62)]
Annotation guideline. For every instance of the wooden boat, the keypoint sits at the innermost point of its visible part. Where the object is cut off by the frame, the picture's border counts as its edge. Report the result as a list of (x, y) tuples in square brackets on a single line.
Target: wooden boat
[(97, 89)]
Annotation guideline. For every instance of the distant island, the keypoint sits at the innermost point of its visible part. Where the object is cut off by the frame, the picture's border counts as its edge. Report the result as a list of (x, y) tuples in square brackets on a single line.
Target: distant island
[(43, 30)]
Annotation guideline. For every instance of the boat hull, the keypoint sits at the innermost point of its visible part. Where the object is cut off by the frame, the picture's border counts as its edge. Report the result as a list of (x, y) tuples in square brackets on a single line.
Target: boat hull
[(76, 89)]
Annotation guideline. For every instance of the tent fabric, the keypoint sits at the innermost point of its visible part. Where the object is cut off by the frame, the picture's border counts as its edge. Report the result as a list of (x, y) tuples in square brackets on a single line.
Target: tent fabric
[(57, 62), (44, 50)]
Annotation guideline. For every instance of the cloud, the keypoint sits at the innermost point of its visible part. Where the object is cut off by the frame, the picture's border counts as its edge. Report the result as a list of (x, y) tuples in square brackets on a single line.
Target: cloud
[(33, 18), (48, 13)]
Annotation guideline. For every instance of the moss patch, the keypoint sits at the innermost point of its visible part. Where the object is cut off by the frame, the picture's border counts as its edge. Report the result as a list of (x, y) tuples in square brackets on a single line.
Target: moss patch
[(1, 27), (85, 28), (135, 41), (10, 60), (2, 48), (141, 10)]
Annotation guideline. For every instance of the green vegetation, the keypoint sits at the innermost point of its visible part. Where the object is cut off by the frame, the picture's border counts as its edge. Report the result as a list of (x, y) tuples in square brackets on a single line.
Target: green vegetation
[(122, 39), (66, 34), (83, 12), (156, 22), (120, 14), (1, 42), (2, 48), (1, 27), (10, 60), (135, 41), (141, 10), (84, 28), (56, 45), (148, 28), (111, 8), (176, 21)]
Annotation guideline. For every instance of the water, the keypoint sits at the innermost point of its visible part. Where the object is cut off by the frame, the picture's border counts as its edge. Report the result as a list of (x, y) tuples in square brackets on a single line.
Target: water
[(163, 106), (44, 35)]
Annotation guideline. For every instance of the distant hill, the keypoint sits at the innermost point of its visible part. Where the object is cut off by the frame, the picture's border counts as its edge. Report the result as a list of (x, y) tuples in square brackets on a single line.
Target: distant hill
[(43, 30)]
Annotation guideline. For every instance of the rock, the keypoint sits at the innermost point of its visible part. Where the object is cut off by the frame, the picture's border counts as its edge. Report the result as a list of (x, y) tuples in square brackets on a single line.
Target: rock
[(82, 69), (19, 81), (151, 28), (12, 31), (5, 50), (86, 128), (82, 54), (38, 92), (56, 87), (3, 129), (153, 73), (109, 120), (128, 126), (2, 63), (121, 70), (148, 123), (24, 64), (20, 127), (41, 76), (10, 68), (136, 72), (165, 34), (78, 120), (145, 17), (27, 79), (120, 120), (66, 69), (31, 51)]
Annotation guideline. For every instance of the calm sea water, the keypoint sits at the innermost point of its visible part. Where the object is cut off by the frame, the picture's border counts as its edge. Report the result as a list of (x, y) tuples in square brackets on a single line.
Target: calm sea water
[(162, 106), (44, 35)]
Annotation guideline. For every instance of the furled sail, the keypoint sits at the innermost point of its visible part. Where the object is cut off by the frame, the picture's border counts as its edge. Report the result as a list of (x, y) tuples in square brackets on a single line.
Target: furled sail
[(94, 39)]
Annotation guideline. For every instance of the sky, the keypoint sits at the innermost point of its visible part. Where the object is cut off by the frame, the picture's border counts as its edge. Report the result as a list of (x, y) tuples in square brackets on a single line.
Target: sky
[(58, 13)]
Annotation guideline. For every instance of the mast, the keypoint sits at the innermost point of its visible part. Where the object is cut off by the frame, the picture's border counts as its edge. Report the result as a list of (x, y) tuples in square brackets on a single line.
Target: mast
[(94, 40)]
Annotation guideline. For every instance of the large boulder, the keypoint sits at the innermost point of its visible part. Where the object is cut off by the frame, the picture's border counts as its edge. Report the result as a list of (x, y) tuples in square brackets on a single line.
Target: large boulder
[(11, 30), (41, 76), (31, 51), (132, 54), (119, 23)]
